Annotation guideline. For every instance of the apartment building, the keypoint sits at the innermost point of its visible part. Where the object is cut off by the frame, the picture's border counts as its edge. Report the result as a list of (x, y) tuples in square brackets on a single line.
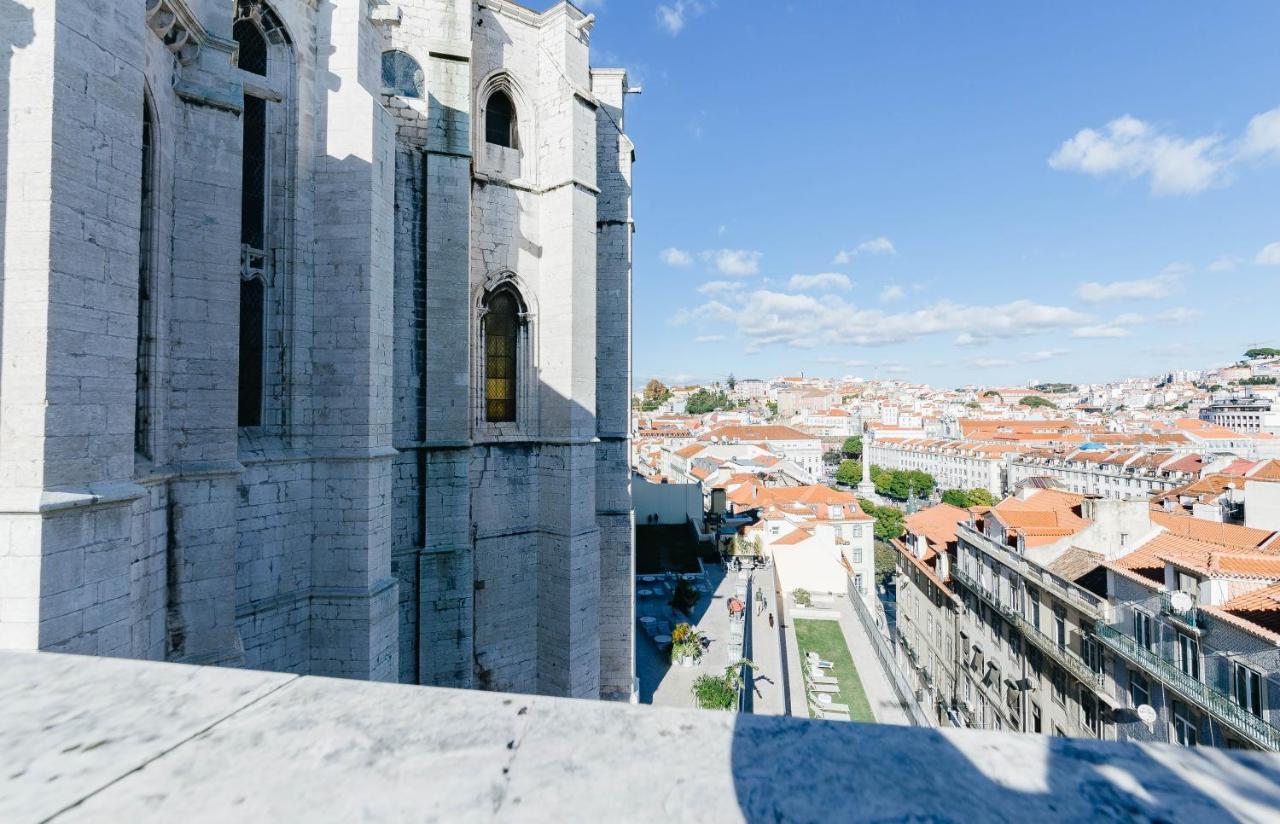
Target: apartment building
[(1106, 473), (819, 538), (1195, 638), (953, 464), (1250, 412), (803, 449), (928, 607)]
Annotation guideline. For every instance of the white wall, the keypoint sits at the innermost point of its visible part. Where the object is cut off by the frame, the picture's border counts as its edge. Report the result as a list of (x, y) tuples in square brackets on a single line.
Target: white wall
[(1262, 504), (672, 503)]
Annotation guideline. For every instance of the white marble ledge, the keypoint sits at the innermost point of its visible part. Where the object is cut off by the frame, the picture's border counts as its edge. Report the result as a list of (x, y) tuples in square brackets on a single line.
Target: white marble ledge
[(91, 739)]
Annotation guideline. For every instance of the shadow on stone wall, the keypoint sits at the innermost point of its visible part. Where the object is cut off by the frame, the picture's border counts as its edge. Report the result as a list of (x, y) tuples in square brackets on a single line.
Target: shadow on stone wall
[(824, 770)]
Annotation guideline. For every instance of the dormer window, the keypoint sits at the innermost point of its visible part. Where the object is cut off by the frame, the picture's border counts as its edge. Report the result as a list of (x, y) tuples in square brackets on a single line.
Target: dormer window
[(500, 121)]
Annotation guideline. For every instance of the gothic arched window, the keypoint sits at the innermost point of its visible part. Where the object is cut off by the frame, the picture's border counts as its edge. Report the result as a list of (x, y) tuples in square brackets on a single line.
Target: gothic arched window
[(500, 121), (264, 50), (146, 285), (401, 75), (501, 357)]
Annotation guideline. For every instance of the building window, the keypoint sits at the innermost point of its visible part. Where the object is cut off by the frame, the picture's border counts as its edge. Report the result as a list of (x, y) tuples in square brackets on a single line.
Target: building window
[(857, 555), (1189, 655), (1036, 721), (1060, 627), (501, 364), (146, 285), (1139, 689), (1143, 630), (1247, 688), (253, 199), (500, 121), (1185, 725), (264, 177), (402, 76), (1059, 679)]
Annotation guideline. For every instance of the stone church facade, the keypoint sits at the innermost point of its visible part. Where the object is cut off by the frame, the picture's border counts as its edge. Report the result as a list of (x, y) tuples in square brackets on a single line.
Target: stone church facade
[(315, 352)]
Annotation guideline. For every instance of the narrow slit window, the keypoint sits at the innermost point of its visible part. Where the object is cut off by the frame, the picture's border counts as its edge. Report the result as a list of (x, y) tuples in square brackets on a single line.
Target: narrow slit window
[(251, 338), (142, 398), (402, 76), (501, 340), (253, 47)]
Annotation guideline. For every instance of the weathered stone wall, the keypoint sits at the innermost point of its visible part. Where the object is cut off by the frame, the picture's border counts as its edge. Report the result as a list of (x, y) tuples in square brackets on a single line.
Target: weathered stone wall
[(374, 526)]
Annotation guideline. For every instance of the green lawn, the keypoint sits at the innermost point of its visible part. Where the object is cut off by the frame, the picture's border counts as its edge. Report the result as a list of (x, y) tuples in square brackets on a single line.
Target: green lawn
[(826, 639)]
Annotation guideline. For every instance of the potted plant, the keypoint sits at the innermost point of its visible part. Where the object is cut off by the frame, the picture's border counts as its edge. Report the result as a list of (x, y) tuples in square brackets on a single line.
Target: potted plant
[(686, 645), (685, 596), (801, 598), (720, 692)]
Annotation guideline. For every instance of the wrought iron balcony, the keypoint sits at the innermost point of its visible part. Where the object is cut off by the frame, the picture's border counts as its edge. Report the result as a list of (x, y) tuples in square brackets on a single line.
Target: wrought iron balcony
[(1079, 598), (1221, 706), (1063, 655), (1187, 617)]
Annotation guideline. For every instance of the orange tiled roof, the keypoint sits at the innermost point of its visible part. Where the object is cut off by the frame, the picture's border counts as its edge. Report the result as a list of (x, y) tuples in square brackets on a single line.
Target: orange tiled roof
[(767, 432), (1227, 535), (1268, 471), (690, 450), (937, 523), (797, 536)]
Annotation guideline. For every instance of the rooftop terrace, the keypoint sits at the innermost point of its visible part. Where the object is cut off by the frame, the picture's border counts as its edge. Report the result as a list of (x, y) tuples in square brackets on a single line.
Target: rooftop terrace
[(111, 740)]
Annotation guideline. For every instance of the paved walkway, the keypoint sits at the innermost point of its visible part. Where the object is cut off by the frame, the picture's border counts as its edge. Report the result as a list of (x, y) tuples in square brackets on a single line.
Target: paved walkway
[(662, 684), (884, 701)]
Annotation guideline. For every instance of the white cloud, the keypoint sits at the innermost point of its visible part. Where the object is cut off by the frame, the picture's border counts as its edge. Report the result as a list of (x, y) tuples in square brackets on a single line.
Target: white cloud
[(822, 280), (988, 363), (734, 262), (1262, 137), (1173, 164), (1270, 255), (876, 246), (713, 287), (1128, 146), (1044, 355), (1225, 263), (891, 293), (672, 16), (768, 317), (712, 311), (1178, 314), (709, 338), (1152, 288), (675, 257), (1105, 330), (969, 339)]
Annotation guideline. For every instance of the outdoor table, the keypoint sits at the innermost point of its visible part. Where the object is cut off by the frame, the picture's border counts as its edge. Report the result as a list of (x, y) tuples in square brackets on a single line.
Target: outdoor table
[(662, 640), (647, 619), (644, 592)]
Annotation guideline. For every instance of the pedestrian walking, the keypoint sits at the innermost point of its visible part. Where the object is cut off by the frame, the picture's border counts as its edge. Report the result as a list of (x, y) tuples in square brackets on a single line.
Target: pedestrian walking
[(771, 620)]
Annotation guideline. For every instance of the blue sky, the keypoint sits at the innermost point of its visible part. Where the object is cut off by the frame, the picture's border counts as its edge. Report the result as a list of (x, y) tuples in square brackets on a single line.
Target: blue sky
[(981, 192)]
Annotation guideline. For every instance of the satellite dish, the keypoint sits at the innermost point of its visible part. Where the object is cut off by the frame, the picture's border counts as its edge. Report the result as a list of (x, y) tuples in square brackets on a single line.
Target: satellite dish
[(1147, 714), (1181, 601)]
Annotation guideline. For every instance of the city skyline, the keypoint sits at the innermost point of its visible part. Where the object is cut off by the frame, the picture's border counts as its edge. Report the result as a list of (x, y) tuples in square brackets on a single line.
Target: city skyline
[(1039, 210)]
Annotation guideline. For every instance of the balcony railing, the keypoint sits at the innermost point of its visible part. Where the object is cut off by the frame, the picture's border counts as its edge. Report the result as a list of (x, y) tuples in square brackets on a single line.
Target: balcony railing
[(1073, 663), (1203, 695), (1188, 617), (1081, 599)]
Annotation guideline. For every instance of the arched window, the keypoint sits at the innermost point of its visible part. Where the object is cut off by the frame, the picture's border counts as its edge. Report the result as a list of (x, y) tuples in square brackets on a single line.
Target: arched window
[(501, 361), (146, 330), (401, 75), (264, 176), (253, 46), (500, 121)]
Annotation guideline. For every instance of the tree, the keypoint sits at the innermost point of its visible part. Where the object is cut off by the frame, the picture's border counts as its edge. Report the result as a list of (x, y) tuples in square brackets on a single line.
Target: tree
[(731, 381), (888, 520), (1035, 402), (1056, 388), (852, 447), (656, 392), (966, 498), (773, 409), (849, 473), (1263, 352), (704, 401), (981, 497), (920, 484)]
